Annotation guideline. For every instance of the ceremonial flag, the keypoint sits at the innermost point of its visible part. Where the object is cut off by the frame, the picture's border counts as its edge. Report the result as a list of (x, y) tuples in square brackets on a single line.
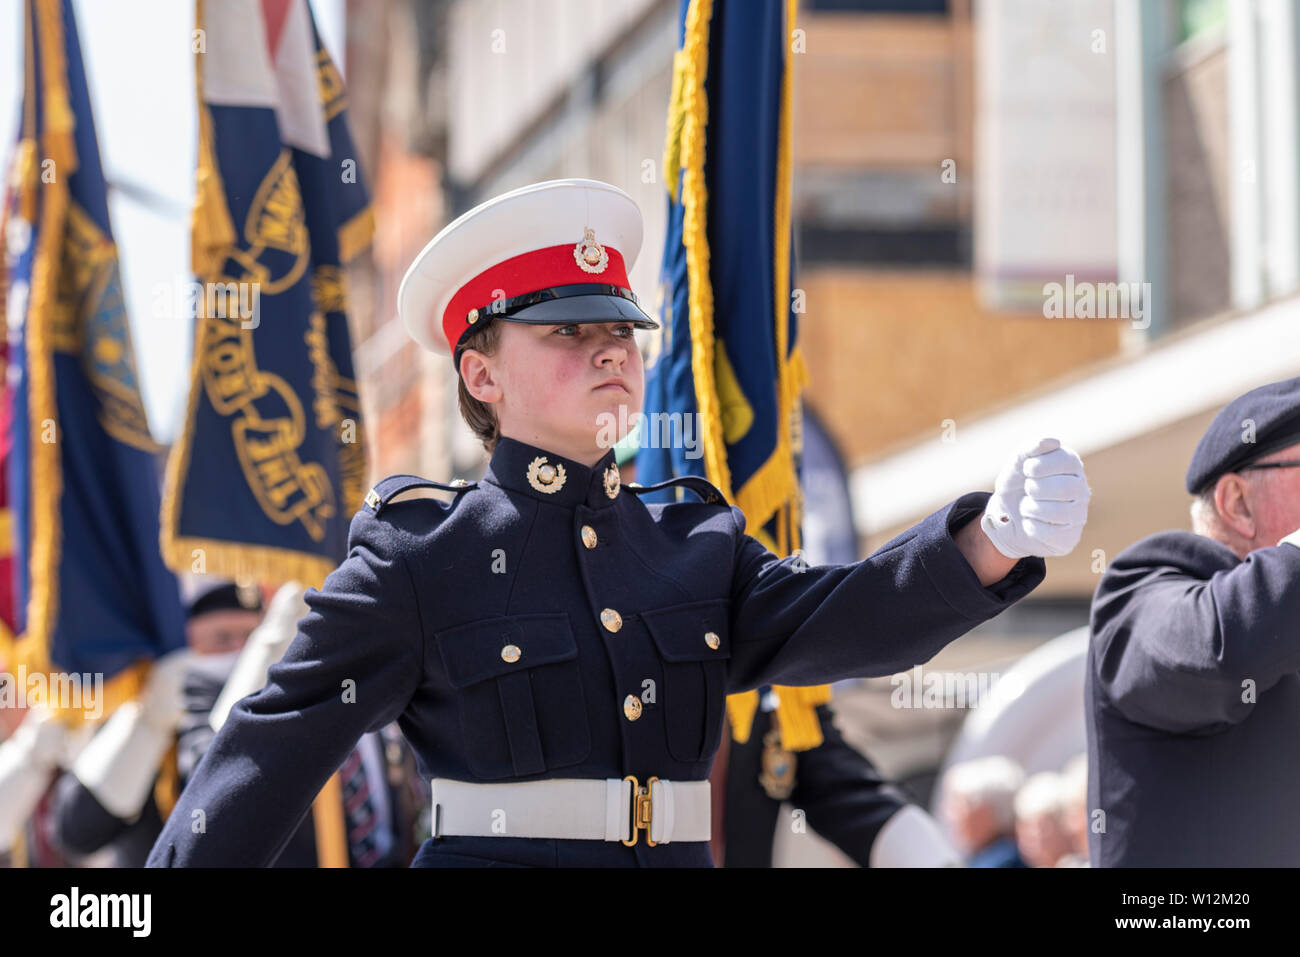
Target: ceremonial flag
[(90, 593), (724, 374), (269, 468)]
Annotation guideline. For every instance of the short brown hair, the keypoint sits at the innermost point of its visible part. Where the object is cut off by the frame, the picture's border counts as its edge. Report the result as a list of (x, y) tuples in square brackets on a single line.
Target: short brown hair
[(479, 415)]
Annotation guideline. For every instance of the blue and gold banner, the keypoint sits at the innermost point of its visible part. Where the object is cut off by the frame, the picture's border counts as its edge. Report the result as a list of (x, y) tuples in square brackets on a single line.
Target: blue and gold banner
[(91, 593), (269, 468), (725, 361), (726, 351)]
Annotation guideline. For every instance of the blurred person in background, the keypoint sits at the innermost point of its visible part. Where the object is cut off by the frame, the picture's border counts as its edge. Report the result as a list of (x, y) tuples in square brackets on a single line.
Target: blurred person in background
[(1074, 796), (121, 785), (1041, 834), (978, 806), (111, 806)]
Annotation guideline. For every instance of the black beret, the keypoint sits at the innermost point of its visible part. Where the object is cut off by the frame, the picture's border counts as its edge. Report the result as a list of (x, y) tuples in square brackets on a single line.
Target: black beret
[(1249, 427), (223, 596)]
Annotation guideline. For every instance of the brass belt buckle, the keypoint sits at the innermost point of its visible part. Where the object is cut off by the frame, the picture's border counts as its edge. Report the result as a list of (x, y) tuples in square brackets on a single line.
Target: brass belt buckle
[(642, 810)]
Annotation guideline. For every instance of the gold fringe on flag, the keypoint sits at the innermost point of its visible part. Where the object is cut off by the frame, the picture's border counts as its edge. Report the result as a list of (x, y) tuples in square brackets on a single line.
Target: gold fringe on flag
[(331, 828)]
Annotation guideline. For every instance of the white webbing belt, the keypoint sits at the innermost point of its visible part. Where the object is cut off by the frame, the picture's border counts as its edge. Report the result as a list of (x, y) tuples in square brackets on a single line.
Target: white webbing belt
[(570, 809)]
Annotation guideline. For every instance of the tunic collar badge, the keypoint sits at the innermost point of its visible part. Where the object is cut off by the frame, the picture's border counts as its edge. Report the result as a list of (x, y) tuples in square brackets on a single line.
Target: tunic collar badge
[(545, 477), (589, 254), (612, 481)]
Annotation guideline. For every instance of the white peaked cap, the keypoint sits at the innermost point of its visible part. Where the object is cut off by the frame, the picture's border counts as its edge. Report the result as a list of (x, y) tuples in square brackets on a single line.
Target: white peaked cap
[(526, 241)]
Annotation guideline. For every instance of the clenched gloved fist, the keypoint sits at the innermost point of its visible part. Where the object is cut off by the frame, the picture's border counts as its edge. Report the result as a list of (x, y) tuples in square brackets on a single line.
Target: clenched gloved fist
[(1039, 503)]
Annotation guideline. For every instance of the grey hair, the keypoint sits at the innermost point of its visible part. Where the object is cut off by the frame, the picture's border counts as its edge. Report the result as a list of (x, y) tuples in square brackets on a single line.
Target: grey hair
[(1205, 516), (992, 781)]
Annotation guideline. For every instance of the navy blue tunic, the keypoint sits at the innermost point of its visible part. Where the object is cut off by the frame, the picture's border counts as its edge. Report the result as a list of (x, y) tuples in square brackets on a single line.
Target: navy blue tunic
[(412, 625), (1193, 706)]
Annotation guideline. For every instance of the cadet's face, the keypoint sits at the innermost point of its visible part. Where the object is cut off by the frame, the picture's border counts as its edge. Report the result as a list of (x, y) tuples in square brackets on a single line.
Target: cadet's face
[(569, 387)]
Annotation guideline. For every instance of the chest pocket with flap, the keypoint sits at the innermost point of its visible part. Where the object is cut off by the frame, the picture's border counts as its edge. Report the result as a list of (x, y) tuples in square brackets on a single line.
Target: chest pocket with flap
[(694, 642), (519, 689)]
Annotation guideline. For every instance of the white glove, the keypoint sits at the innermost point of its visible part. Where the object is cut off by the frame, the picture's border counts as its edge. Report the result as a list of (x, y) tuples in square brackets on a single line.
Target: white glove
[(265, 646), (120, 763), (1039, 503), (161, 699), (27, 760)]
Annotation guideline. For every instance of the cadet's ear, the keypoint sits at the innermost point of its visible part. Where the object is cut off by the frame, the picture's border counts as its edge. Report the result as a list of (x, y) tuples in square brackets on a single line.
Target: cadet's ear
[(1233, 505), (477, 374)]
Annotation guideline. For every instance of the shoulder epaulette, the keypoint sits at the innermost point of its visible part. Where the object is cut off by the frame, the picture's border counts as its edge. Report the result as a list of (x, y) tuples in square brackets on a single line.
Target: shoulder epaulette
[(705, 489), (395, 485)]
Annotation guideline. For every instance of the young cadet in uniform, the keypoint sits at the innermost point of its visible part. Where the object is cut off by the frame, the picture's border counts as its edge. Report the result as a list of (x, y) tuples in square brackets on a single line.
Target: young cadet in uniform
[(557, 652)]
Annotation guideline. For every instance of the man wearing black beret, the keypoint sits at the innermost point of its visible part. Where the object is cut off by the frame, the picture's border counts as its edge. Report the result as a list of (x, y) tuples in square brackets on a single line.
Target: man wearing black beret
[(1193, 684)]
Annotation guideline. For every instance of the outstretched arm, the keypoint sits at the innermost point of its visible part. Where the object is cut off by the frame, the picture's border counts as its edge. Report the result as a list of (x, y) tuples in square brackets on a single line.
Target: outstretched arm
[(353, 667), (796, 625)]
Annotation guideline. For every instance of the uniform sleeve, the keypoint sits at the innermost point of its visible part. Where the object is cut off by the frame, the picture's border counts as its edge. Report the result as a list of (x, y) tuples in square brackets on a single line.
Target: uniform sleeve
[(1173, 649), (795, 624), (81, 824), (195, 734), (843, 795), (353, 667)]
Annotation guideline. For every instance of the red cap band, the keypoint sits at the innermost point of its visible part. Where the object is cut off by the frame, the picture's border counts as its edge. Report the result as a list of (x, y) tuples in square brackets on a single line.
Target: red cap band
[(525, 273)]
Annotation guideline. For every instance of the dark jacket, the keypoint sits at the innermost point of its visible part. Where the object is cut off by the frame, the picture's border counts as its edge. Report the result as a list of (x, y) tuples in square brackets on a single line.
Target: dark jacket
[(1193, 706), (413, 625)]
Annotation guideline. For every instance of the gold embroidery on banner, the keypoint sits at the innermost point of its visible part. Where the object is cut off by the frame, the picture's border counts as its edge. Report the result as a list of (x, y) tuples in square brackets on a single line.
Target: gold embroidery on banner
[(275, 226), (90, 321), (336, 403), (333, 98), (268, 427), (268, 421), (328, 289)]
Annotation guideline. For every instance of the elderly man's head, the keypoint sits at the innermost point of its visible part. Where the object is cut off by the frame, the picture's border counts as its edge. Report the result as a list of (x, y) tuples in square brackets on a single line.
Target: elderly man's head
[(1253, 507), (978, 801)]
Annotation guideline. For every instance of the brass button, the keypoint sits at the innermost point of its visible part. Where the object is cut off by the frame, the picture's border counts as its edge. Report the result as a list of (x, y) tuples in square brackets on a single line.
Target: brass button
[(588, 536), (632, 707), (472, 316), (712, 640), (611, 619), (510, 653)]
